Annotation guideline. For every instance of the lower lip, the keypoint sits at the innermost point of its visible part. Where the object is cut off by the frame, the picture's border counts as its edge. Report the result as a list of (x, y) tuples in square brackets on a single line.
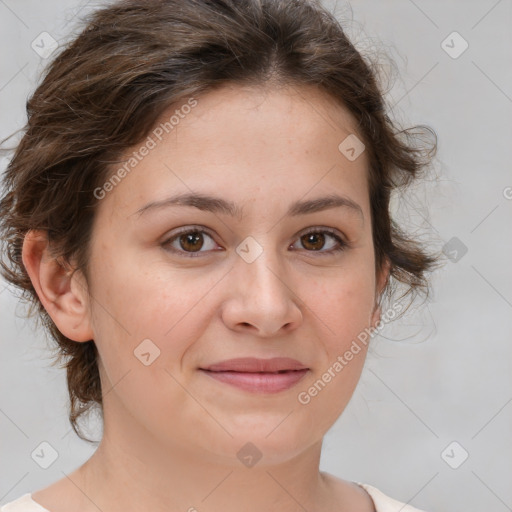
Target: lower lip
[(259, 382)]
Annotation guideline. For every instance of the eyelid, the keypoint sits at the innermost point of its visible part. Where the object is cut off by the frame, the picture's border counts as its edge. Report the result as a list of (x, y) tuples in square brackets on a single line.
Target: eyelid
[(182, 231), (323, 229), (343, 243)]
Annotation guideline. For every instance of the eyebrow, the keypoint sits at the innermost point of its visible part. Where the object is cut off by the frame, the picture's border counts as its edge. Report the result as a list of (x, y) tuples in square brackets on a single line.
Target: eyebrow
[(213, 204)]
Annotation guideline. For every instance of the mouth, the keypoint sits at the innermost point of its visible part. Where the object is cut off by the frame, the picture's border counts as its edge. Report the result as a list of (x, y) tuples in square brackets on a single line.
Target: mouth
[(258, 375)]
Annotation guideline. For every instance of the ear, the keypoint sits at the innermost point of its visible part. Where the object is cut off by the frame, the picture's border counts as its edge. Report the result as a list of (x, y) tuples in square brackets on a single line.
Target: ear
[(382, 281), (63, 295)]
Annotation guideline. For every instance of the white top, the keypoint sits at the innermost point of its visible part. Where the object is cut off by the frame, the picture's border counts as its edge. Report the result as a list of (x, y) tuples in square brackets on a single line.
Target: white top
[(382, 503)]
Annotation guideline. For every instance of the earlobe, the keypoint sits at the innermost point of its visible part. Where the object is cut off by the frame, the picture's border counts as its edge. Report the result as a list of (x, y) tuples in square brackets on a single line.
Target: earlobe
[(376, 315), (58, 289), (382, 281)]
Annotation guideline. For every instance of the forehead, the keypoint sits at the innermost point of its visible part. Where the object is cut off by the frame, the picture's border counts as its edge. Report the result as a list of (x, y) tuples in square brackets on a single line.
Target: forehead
[(245, 142), (273, 113)]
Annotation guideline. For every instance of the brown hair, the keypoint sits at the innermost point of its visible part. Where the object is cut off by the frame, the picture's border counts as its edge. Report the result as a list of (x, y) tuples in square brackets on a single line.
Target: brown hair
[(105, 90)]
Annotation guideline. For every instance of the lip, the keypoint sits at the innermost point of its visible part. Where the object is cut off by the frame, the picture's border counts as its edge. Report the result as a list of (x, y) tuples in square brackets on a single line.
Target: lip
[(258, 375), (254, 364)]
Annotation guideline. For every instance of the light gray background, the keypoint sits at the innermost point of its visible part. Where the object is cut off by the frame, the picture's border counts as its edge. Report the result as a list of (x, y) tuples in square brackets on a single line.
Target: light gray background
[(449, 379)]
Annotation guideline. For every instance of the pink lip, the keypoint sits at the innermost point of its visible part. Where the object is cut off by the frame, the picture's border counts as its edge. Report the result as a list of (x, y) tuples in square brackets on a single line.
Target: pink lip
[(258, 375), (253, 364)]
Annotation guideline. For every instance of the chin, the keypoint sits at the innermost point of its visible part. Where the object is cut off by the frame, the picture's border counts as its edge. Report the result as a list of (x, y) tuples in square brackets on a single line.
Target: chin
[(265, 445)]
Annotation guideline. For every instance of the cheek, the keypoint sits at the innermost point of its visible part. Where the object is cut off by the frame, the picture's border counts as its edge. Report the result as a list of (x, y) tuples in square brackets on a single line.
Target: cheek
[(349, 312), (132, 303), (344, 301), (150, 323), (342, 307)]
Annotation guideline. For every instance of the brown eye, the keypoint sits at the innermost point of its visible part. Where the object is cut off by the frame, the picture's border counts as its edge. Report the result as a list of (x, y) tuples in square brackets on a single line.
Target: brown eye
[(323, 241), (192, 241), (313, 241)]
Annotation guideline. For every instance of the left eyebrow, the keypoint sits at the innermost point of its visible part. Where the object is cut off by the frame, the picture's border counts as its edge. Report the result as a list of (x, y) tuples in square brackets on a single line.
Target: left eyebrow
[(217, 205)]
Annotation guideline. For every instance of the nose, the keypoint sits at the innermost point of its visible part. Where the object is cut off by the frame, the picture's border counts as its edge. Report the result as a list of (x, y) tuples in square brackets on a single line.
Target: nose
[(261, 298)]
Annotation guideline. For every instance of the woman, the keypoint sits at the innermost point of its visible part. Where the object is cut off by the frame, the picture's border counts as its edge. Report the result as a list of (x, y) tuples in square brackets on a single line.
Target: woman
[(199, 208)]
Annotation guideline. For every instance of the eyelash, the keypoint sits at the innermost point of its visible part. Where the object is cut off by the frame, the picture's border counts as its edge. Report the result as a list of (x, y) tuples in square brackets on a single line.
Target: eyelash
[(342, 244)]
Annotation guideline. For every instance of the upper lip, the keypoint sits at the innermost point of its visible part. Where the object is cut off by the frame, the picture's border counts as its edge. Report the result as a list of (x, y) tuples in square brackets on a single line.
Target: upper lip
[(254, 365)]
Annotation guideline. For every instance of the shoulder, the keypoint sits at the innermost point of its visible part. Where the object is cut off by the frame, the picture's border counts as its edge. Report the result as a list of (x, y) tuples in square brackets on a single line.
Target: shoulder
[(384, 503), (24, 503)]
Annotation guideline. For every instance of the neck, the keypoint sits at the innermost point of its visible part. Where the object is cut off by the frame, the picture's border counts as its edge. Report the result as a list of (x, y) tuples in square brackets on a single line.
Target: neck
[(131, 470)]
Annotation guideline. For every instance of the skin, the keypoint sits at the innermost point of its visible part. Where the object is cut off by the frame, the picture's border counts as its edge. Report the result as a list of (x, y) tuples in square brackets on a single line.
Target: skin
[(172, 433)]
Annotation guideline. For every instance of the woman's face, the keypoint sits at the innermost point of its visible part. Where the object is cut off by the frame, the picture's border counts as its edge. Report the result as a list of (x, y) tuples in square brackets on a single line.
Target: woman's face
[(250, 280)]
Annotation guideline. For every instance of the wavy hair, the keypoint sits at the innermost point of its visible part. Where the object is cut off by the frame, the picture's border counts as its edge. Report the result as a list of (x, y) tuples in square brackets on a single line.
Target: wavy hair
[(104, 91)]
